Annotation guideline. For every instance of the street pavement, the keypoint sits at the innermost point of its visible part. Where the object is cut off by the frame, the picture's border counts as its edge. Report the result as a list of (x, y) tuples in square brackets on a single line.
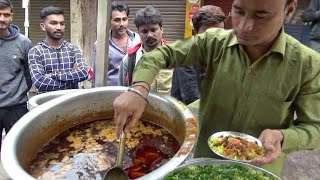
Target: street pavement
[(302, 165)]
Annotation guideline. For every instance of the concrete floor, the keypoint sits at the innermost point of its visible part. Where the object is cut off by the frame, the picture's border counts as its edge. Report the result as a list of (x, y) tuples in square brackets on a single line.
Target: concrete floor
[(303, 165)]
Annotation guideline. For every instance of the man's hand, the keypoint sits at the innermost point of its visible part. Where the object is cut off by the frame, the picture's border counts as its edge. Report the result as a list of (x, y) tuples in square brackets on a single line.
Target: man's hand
[(75, 67), (48, 75), (271, 140), (128, 108), (318, 14)]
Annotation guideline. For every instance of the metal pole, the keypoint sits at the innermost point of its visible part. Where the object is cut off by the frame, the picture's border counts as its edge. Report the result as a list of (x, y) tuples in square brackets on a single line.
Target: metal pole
[(25, 5), (102, 51)]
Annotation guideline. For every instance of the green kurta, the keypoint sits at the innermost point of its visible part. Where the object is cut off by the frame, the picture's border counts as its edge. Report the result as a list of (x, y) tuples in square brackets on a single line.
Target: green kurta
[(238, 95)]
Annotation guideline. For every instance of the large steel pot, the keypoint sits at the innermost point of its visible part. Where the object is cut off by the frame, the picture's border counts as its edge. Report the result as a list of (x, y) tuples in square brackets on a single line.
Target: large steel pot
[(44, 122)]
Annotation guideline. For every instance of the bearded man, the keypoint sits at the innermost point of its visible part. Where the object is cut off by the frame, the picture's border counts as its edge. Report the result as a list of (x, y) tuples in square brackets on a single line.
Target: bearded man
[(54, 63), (149, 23), (120, 40)]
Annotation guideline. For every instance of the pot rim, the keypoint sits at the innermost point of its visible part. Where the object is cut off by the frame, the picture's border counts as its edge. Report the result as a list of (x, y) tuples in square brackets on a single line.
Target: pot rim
[(16, 171), (33, 102)]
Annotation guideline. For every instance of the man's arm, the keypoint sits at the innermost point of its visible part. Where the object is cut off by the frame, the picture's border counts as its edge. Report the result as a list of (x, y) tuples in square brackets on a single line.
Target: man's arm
[(38, 74), (196, 50), (305, 131), (94, 50), (164, 81), (25, 64), (312, 13), (185, 52), (79, 72), (129, 106)]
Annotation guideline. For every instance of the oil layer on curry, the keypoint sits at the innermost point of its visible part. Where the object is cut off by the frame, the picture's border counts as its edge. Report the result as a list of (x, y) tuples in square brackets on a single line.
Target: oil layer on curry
[(87, 151)]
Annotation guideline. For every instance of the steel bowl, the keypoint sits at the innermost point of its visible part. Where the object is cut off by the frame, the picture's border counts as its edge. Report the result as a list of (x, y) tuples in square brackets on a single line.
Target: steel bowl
[(44, 122), (211, 161)]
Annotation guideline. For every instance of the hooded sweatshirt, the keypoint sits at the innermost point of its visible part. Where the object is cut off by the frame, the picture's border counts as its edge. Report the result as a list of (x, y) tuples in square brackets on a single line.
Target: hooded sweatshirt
[(15, 79)]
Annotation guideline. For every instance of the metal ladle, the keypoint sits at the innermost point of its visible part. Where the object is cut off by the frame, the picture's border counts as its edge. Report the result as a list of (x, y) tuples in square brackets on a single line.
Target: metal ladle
[(117, 173)]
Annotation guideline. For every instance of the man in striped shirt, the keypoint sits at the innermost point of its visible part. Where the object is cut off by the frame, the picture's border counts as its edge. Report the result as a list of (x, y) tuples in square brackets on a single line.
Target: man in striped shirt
[(54, 63)]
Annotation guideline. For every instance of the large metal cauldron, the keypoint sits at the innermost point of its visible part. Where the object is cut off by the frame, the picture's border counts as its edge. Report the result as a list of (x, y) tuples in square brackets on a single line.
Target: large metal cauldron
[(41, 124)]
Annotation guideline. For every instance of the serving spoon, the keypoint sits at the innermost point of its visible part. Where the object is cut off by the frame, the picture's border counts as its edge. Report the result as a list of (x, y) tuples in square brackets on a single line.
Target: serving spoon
[(116, 172)]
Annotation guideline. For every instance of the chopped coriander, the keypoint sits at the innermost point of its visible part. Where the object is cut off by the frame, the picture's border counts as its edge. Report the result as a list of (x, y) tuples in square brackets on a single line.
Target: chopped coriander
[(218, 172)]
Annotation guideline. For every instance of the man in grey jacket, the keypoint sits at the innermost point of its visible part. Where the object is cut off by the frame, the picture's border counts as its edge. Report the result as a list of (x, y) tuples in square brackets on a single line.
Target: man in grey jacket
[(15, 79), (312, 15), (120, 40)]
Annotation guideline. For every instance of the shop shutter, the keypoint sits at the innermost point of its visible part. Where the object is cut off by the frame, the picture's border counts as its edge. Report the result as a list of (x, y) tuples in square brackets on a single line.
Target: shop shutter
[(35, 33), (173, 16), (18, 14)]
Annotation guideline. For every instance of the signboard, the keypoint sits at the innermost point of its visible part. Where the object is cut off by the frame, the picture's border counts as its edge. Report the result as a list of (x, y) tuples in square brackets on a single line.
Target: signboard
[(191, 8)]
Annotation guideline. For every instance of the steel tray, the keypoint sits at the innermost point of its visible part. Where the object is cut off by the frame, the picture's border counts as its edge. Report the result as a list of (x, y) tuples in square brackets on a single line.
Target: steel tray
[(211, 161)]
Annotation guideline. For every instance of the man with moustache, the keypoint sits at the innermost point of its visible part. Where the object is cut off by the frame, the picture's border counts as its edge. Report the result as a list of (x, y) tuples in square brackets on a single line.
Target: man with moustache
[(149, 23), (120, 39), (56, 64), (15, 80), (257, 77)]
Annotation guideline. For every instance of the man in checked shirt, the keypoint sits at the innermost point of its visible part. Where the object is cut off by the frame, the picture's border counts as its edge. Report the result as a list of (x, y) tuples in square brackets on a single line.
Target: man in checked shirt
[(54, 63)]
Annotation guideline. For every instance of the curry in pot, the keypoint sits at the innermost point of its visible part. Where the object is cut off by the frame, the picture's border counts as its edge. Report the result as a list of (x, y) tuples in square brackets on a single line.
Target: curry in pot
[(88, 150)]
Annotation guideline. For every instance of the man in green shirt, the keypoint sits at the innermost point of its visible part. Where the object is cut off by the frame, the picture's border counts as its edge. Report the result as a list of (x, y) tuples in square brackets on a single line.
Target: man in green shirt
[(257, 77)]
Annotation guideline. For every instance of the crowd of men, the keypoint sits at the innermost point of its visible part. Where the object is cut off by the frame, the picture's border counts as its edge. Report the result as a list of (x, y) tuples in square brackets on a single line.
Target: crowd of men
[(56, 64), (252, 79)]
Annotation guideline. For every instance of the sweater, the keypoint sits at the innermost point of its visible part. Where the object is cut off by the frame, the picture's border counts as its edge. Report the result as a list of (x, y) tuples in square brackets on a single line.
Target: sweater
[(15, 79)]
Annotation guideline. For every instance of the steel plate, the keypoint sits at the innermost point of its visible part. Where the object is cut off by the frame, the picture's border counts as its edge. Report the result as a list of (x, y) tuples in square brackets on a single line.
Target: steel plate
[(211, 161), (238, 134)]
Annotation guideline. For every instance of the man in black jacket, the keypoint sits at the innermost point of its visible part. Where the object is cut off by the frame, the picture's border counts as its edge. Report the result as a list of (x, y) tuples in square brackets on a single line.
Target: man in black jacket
[(312, 15), (186, 81)]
